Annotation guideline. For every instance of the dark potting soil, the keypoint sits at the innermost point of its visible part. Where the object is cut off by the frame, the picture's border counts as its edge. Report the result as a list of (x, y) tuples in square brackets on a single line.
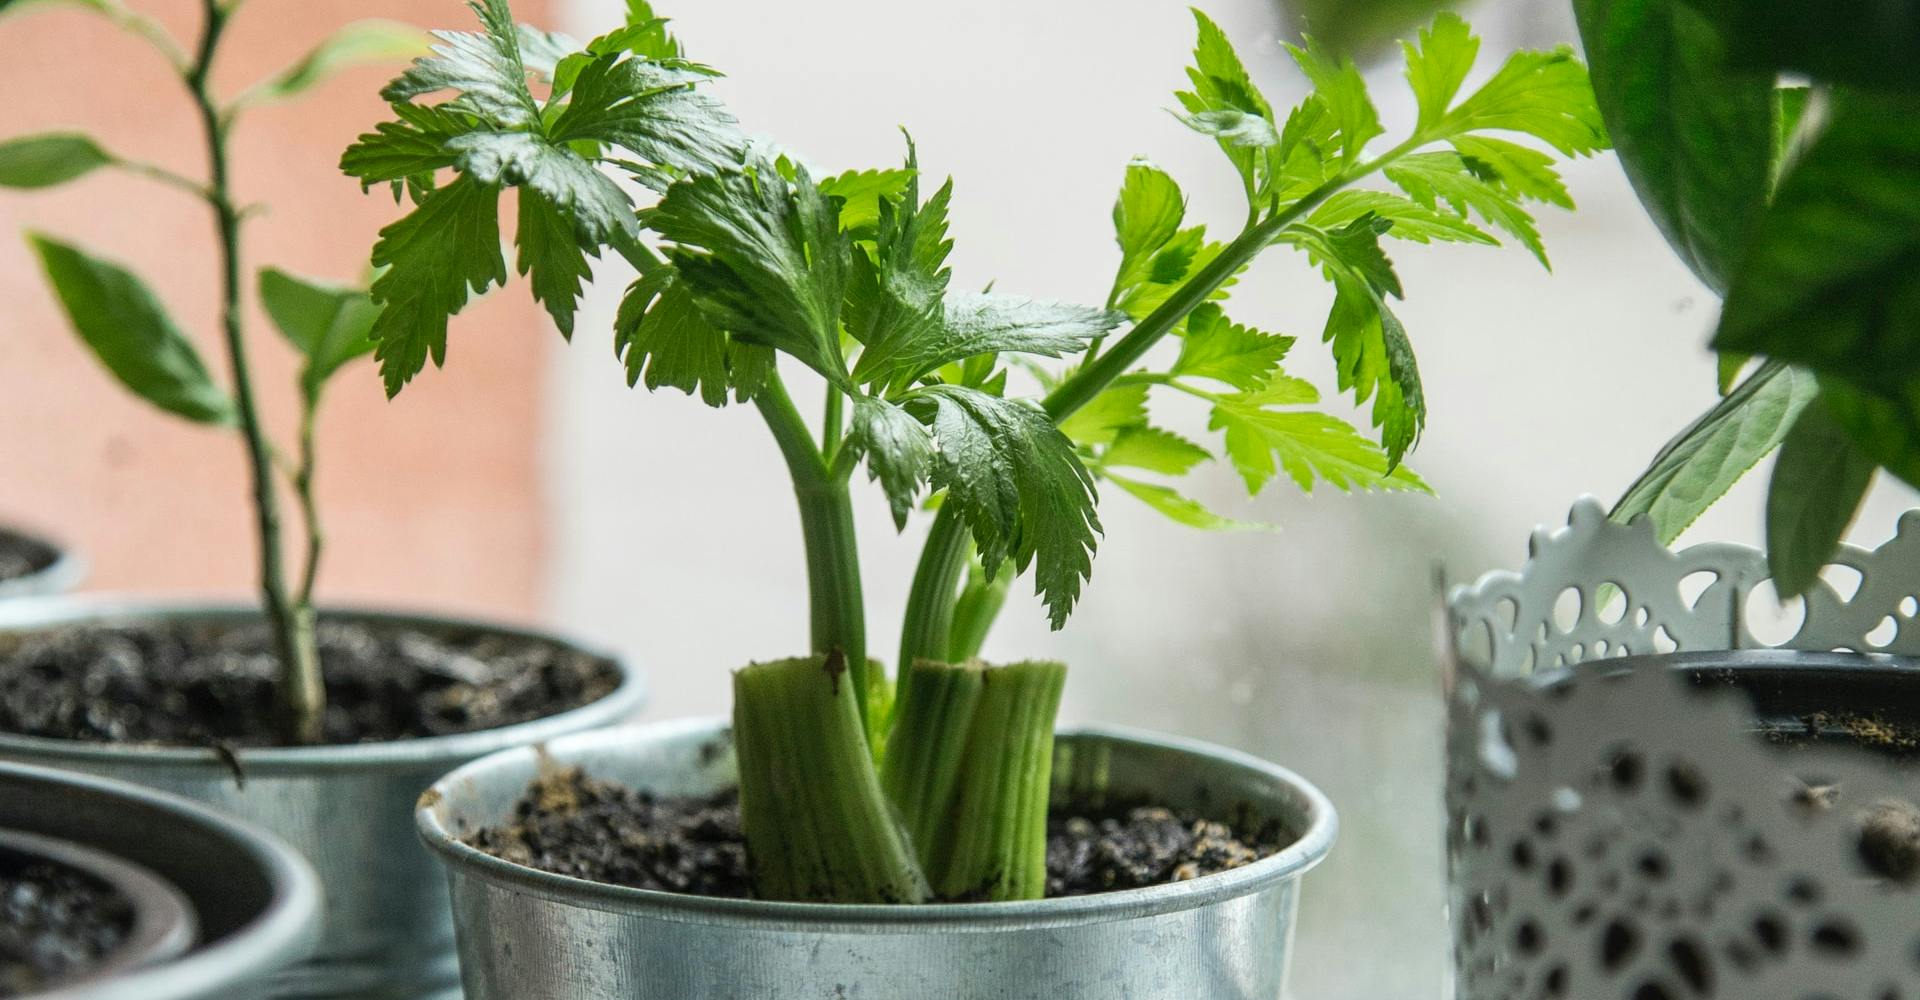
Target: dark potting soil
[(571, 824), (212, 684), (55, 922), (20, 555)]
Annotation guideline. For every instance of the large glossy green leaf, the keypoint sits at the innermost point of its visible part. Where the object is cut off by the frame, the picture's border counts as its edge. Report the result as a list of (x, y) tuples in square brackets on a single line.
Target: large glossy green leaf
[(1832, 281), (49, 158), (1703, 462), (1818, 485), (1694, 138), (1868, 43), (119, 318)]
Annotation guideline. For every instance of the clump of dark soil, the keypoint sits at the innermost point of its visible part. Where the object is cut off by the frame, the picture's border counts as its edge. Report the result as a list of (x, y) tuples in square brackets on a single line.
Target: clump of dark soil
[(212, 684), (55, 922), (572, 824), (21, 556)]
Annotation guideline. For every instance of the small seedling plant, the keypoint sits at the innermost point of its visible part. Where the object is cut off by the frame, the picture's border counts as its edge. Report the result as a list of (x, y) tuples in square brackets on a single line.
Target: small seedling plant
[(124, 323), (755, 267), (1778, 148)]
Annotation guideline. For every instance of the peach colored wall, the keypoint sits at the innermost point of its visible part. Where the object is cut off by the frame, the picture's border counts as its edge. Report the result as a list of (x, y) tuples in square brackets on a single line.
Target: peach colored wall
[(432, 500)]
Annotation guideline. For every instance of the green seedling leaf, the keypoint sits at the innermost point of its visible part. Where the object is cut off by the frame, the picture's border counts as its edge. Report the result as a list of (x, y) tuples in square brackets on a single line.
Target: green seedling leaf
[(1182, 509), (435, 258), (899, 451), (131, 333), (1117, 408), (328, 324), (1310, 447), (50, 158), (1145, 216), (1216, 348), (358, 43), (1438, 63), (1153, 449)]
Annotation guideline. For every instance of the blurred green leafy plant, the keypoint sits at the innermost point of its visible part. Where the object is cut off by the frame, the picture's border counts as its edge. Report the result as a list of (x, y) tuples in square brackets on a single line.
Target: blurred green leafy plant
[(124, 323)]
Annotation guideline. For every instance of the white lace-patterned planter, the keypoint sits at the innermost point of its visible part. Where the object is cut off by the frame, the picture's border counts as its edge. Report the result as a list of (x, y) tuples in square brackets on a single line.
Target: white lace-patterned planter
[(1617, 831)]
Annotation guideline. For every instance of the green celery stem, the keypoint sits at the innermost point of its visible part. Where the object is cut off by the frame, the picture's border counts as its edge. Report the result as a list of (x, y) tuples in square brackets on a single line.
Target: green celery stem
[(817, 824), (921, 770), (993, 844), (836, 603)]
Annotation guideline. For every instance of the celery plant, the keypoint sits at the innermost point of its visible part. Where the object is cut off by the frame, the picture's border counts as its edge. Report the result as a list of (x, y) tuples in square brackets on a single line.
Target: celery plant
[(127, 328), (936, 786)]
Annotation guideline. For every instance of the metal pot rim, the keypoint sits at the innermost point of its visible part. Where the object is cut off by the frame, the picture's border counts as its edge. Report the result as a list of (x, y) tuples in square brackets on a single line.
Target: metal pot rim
[(1750, 661), (164, 923), (41, 612), (1308, 849), (280, 931), (63, 574)]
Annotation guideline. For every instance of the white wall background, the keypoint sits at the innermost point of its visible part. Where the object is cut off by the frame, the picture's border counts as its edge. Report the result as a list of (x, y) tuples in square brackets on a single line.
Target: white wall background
[(675, 540)]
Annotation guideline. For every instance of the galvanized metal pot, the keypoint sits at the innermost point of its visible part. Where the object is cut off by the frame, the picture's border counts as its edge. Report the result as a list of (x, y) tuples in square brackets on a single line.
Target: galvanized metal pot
[(163, 925), (255, 902), (386, 931), (529, 935), (61, 569)]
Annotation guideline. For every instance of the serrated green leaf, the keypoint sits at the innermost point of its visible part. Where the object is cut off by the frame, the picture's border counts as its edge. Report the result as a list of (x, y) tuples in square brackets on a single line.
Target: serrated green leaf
[(119, 318), (1019, 486), (1183, 509), (1145, 216), (1819, 482), (1142, 288), (435, 257), (1702, 462), (657, 110), (1525, 173), (1115, 409), (1153, 449), (976, 324), (1435, 179), (414, 146), (328, 324), (355, 44), (1411, 220), (1220, 83), (1543, 94), (1831, 277), (662, 337), (1310, 447), (1338, 85), (898, 448), (1438, 64), (1214, 347), (50, 158), (860, 193), (765, 258), (484, 67), (1693, 137), (552, 253), (587, 199), (896, 296)]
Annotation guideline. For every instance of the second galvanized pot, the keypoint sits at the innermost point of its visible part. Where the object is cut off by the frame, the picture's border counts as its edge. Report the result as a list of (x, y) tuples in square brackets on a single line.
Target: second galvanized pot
[(386, 931), (529, 935)]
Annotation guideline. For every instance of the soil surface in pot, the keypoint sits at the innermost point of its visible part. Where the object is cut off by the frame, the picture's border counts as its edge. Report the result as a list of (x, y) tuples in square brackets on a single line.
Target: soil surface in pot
[(195, 684), (21, 556), (55, 923), (572, 824)]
